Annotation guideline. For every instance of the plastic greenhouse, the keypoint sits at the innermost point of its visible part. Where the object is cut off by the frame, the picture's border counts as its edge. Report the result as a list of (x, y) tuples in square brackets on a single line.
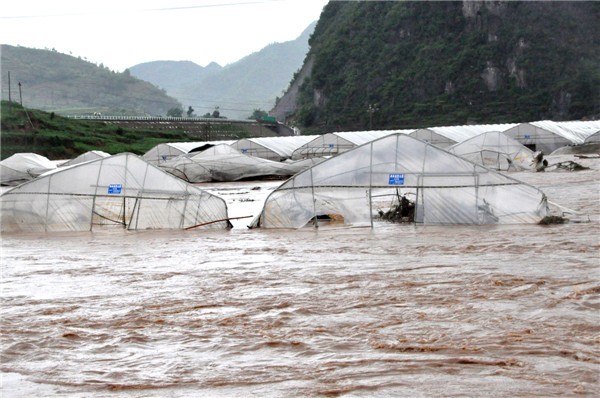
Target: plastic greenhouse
[(272, 148), (360, 186), (224, 163), (166, 151), (547, 136), (86, 157), (121, 191), (496, 151), (333, 143), (594, 138), (445, 136), (22, 167)]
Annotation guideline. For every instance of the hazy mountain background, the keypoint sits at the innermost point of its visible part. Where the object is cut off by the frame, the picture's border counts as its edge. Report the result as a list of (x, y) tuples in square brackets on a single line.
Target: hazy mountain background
[(174, 77), (237, 89), (68, 85), (418, 64)]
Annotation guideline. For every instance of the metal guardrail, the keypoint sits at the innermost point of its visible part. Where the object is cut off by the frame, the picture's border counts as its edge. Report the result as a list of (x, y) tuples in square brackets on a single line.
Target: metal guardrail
[(162, 119)]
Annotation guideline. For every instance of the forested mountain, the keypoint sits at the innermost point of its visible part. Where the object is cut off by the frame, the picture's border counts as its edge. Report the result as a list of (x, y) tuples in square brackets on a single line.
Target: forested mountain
[(414, 64), (237, 89), (67, 85)]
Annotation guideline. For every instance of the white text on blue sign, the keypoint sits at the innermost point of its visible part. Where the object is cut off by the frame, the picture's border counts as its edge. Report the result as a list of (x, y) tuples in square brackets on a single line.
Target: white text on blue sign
[(396, 179), (115, 189)]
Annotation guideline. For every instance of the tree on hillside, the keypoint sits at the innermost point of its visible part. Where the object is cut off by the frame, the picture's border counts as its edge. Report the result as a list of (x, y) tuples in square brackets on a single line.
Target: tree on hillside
[(216, 114), (258, 114), (175, 112), (190, 112)]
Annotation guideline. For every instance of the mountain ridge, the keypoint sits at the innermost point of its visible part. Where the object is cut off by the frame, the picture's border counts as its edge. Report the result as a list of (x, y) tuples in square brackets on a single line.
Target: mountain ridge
[(64, 84), (418, 64), (236, 89)]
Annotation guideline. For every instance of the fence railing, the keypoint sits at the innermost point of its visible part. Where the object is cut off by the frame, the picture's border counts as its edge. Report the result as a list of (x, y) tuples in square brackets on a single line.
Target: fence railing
[(164, 119)]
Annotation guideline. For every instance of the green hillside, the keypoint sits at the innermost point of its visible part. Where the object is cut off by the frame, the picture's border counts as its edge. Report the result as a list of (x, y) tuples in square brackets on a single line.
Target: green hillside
[(56, 137), (67, 85), (417, 64)]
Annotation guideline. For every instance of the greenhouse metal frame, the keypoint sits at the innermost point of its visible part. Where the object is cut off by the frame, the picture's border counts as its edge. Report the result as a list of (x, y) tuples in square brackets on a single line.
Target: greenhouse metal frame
[(121, 191), (496, 151), (331, 144), (359, 184)]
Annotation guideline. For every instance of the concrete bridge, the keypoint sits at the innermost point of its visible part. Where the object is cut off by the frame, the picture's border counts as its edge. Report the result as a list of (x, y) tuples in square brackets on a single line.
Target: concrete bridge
[(204, 128)]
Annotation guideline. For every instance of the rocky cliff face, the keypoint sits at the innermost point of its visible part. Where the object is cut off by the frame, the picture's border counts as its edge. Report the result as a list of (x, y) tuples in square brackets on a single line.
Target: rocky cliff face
[(287, 105), (435, 63)]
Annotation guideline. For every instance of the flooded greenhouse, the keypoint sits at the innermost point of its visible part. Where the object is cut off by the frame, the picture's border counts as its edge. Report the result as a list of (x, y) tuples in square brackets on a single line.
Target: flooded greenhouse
[(401, 309), (120, 191)]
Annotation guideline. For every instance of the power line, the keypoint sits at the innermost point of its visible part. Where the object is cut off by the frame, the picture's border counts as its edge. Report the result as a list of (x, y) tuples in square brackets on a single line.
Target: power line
[(124, 11)]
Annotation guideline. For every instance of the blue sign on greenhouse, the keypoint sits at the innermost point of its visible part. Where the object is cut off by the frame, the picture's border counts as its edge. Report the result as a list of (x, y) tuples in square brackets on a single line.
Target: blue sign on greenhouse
[(244, 150), (527, 136), (115, 188), (396, 179), (330, 145)]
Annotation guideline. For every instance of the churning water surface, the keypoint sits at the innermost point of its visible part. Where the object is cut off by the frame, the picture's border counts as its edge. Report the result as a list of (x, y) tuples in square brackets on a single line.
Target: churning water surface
[(397, 310)]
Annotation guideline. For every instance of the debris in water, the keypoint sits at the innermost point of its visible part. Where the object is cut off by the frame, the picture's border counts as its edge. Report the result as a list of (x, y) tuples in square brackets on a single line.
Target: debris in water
[(403, 212), (539, 161), (553, 220), (568, 165)]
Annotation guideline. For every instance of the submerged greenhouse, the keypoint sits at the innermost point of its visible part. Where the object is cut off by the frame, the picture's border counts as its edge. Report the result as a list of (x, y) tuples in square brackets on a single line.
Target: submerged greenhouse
[(224, 163), (370, 182), (85, 157), (121, 191), (271, 148), (496, 151), (331, 144), (445, 136), (166, 151), (22, 167), (547, 136)]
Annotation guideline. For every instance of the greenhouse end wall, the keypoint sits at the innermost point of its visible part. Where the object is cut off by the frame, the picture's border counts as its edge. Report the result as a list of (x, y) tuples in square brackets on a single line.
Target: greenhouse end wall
[(358, 185)]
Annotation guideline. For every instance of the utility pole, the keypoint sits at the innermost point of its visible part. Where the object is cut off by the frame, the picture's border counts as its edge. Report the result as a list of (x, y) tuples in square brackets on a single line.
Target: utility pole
[(9, 103), (20, 96)]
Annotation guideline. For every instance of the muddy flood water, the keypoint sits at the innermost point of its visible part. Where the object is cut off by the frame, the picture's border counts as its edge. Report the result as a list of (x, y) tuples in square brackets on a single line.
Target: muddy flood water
[(397, 310)]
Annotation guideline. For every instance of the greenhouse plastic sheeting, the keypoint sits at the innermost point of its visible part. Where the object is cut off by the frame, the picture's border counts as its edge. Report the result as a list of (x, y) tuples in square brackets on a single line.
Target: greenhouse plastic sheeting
[(122, 191), (22, 167), (86, 157), (271, 148), (496, 151), (166, 151), (356, 185), (547, 136), (224, 163), (445, 136), (333, 143)]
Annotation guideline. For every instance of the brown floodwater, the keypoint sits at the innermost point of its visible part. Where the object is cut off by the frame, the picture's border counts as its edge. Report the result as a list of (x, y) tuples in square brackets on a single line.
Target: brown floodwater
[(397, 310)]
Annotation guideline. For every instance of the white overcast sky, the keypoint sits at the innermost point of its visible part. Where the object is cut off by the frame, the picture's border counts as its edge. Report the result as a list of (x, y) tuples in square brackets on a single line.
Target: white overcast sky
[(124, 33)]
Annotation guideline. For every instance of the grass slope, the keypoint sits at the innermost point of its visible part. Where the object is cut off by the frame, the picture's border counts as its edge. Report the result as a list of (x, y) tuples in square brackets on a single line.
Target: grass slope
[(56, 137)]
